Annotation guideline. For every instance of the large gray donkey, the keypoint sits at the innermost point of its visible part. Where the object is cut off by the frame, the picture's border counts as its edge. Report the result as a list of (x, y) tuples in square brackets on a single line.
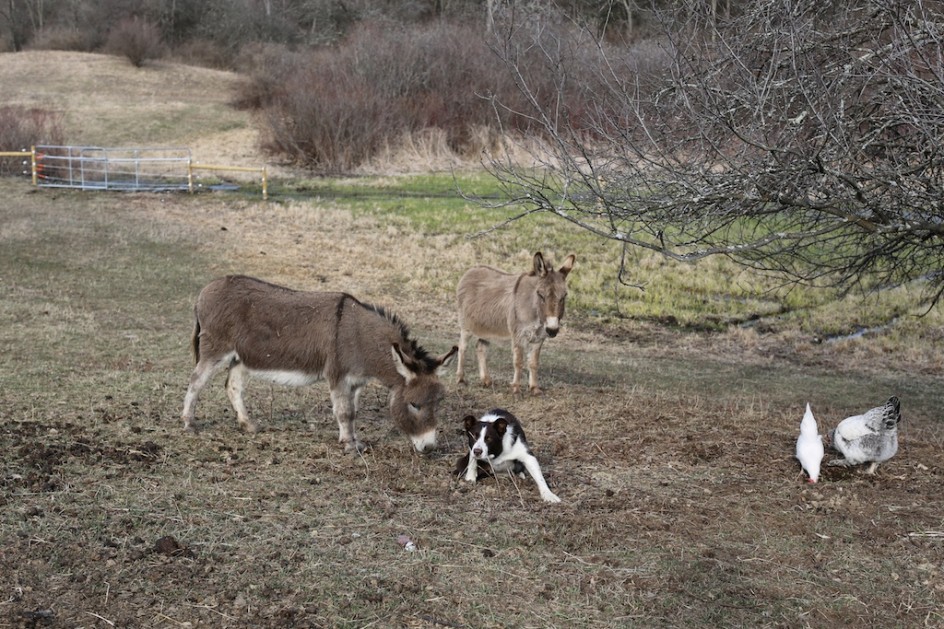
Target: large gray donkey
[(254, 328)]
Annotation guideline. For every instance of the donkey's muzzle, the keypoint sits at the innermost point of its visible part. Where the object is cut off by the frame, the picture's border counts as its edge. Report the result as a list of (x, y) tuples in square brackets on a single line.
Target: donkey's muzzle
[(424, 442)]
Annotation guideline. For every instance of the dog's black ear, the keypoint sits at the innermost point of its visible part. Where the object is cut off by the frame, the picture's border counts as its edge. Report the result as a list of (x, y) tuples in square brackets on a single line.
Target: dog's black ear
[(469, 422), (501, 425)]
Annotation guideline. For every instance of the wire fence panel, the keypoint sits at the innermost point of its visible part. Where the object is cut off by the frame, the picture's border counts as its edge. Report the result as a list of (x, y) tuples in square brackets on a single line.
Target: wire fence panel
[(97, 168)]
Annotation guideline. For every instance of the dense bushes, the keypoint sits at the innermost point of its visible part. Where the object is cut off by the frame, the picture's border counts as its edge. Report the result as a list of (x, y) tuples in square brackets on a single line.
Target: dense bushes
[(22, 128), (335, 108)]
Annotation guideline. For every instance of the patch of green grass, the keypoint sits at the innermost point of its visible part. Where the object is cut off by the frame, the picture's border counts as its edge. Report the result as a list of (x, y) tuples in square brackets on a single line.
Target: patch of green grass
[(709, 294), (715, 292)]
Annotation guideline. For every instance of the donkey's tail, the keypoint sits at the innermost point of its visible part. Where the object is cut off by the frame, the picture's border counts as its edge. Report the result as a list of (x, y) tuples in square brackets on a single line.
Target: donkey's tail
[(195, 339)]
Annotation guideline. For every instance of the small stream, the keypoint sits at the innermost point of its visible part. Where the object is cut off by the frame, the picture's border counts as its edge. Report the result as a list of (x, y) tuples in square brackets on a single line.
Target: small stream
[(860, 332)]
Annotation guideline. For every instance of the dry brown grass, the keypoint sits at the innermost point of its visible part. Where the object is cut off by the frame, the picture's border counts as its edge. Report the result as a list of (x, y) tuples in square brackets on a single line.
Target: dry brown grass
[(682, 505)]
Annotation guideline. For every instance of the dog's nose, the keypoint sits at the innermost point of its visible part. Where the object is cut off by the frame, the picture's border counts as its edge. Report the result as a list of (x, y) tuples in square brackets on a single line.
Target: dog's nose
[(477, 451)]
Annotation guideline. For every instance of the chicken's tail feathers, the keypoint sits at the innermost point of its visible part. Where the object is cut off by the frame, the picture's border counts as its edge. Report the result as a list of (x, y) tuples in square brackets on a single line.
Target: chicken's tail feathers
[(808, 421), (893, 410)]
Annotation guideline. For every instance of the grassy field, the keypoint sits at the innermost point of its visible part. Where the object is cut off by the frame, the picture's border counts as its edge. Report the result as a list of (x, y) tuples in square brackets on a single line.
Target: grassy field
[(668, 435)]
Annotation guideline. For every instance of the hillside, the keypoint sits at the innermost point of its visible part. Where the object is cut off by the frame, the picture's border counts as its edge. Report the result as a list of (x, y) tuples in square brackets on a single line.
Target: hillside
[(105, 101)]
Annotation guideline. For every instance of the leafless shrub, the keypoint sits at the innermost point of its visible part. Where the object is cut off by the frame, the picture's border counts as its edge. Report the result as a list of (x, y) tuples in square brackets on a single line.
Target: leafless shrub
[(137, 39), (329, 119), (21, 128), (338, 107)]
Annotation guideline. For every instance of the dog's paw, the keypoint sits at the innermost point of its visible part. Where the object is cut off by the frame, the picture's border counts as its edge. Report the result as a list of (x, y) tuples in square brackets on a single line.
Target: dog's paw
[(549, 497)]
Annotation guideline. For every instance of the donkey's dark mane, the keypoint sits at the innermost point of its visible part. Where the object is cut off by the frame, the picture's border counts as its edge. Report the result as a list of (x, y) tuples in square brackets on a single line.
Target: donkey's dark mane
[(415, 350)]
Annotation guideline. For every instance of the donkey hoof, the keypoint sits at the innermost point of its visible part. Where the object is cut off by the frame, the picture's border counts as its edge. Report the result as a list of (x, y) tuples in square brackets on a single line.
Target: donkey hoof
[(356, 447), (537, 391), (249, 427)]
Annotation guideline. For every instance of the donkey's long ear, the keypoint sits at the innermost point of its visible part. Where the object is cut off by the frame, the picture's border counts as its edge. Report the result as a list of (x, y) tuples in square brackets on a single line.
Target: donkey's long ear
[(540, 266), (400, 363), (568, 265), (445, 360)]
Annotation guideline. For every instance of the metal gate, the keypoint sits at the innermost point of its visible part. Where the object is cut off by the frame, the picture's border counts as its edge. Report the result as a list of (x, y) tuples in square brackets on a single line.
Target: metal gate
[(97, 168)]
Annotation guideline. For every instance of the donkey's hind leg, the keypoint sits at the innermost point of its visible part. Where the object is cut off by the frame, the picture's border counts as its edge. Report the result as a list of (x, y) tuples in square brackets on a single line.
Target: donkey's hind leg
[(481, 354), (235, 384), (460, 362), (205, 369), (534, 354)]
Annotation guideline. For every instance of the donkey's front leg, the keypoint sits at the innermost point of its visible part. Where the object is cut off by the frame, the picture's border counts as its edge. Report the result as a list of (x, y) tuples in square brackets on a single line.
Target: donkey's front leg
[(344, 401), (534, 353), (517, 359)]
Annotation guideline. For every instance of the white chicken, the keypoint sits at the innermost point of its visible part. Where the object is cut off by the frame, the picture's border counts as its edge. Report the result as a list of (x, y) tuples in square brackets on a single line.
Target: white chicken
[(868, 438), (809, 448)]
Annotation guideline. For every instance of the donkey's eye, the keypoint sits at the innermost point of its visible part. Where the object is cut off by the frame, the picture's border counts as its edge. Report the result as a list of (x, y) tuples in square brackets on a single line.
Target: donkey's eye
[(414, 407), (541, 296)]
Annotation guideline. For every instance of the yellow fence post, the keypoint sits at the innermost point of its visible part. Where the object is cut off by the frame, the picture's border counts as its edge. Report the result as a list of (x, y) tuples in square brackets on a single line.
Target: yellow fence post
[(22, 153)]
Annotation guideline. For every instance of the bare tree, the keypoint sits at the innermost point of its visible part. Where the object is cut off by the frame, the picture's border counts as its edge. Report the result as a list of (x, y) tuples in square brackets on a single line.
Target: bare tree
[(796, 136), (12, 17)]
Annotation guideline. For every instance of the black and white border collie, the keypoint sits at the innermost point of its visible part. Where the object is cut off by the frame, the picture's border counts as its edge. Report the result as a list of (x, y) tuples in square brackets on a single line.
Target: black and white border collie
[(497, 444)]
